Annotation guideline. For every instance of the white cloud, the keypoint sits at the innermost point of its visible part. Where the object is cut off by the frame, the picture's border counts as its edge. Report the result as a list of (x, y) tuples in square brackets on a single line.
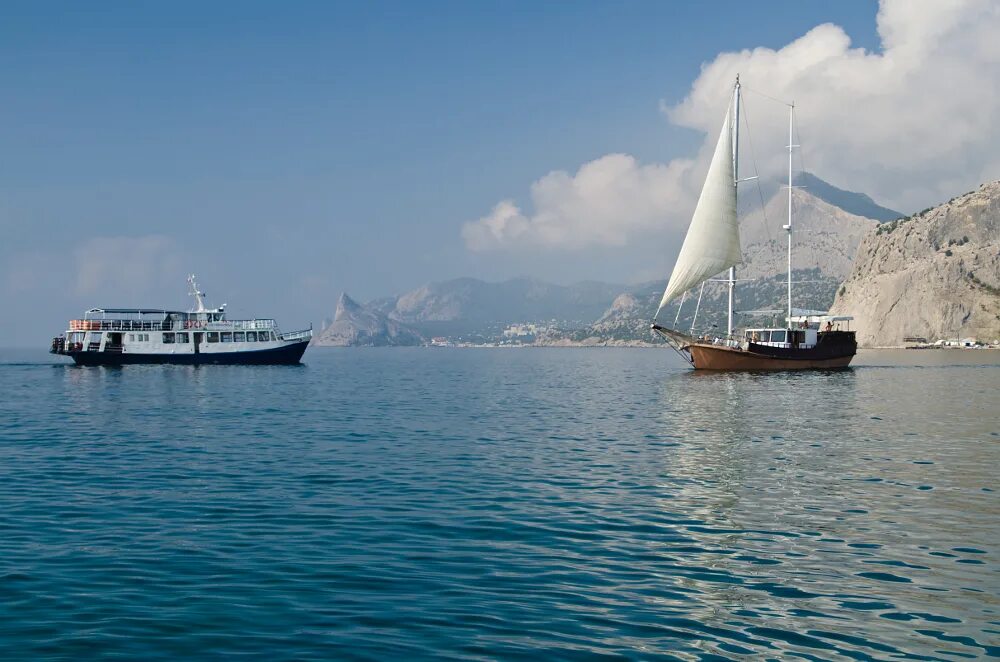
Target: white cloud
[(130, 267), (48, 286), (911, 125), (26, 273), (604, 203)]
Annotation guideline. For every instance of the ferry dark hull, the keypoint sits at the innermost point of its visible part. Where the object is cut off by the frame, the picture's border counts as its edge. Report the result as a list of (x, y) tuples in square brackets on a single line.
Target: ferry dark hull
[(289, 354), (834, 350)]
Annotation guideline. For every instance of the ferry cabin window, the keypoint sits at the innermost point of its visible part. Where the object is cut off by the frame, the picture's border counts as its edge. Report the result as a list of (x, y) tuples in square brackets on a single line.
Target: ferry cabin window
[(131, 337), (182, 337), (778, 336), (251, 336), (227, 336), (168, 339), (239, 336), (213, 336)]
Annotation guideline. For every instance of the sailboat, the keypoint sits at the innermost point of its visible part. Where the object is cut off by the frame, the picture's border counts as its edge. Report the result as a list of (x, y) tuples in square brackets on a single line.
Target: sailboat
[(810, 339)]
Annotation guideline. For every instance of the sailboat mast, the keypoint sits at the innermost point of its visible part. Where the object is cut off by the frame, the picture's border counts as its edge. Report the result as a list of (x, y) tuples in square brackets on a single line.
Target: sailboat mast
[(791, 111), (736, 179)]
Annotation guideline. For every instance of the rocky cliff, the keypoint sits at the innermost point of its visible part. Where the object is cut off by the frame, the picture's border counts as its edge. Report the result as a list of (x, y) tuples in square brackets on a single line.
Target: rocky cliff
[(933, 275), (627, 318), (357, 325)]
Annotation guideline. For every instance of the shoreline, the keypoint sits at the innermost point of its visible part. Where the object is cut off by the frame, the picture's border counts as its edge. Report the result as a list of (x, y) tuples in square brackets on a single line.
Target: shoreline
[(624, 344)]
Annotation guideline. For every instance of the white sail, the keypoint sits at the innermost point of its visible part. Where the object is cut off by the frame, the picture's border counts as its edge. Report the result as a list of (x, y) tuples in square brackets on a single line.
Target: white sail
[(712, 243)]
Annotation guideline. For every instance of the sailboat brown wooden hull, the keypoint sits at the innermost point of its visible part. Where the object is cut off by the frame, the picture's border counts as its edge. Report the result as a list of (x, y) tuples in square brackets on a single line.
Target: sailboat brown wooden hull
[(714, 357)]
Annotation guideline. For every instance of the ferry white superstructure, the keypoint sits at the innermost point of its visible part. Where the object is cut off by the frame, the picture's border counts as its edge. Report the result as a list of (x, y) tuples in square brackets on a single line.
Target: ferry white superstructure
[(117, 336)]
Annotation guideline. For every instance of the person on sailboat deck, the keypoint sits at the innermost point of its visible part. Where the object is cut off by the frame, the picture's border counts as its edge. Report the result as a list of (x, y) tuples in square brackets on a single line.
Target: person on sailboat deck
[(829, 326)]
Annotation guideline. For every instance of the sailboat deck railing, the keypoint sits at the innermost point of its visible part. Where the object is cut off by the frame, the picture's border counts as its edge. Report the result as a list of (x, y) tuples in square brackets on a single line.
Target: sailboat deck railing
[(680, 342), (724, 340)]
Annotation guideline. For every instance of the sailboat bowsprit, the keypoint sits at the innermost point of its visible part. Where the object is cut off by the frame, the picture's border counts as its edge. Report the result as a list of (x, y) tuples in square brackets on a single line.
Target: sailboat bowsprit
[(711, 246)]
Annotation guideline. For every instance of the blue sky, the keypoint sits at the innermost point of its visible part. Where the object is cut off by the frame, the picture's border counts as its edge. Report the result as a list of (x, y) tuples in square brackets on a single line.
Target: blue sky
[(287, 151)]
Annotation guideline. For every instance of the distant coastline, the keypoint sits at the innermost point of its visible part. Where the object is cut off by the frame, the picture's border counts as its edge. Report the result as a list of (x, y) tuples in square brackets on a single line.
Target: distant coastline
[(620, 344)]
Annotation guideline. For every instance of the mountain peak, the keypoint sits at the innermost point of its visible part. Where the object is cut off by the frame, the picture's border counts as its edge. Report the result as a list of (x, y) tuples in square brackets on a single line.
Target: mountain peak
[(346, 306), (858, 204), (356, 324), (826, 236)]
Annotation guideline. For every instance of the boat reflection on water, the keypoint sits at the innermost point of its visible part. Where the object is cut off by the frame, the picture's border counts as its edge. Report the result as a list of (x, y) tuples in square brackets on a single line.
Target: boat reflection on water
[(802, 494), (750, 468)]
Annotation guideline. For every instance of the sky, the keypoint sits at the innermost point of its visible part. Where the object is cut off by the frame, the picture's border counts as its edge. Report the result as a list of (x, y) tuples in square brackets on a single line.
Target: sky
[(286, 152)]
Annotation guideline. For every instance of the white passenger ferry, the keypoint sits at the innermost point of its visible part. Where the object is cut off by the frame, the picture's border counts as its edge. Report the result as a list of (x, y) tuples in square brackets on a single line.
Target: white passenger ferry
[(116, 336)]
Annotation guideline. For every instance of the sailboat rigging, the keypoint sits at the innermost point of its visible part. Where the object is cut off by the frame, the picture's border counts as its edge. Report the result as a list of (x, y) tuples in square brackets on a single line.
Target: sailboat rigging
[(711, 246)]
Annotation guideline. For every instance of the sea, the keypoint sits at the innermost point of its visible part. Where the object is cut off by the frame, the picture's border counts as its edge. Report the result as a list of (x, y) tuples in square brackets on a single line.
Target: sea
[(494, 504)]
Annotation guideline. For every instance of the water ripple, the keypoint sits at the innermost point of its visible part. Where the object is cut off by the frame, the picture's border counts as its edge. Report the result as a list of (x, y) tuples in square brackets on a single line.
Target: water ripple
[(481, 505)]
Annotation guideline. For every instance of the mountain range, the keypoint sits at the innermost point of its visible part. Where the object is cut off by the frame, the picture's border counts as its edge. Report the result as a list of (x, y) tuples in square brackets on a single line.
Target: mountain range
[(838, 236)]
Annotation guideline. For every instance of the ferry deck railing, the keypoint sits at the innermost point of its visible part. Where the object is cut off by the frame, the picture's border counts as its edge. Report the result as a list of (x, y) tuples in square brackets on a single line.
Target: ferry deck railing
[(169, 325), (249, 325), (297, 335)]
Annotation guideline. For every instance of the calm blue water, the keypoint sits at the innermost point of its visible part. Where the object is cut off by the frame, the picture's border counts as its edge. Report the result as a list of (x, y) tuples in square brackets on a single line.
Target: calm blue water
[(483, 504)]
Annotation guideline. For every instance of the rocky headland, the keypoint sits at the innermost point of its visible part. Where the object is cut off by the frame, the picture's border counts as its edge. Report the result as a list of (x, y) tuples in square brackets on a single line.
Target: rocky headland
[(934, 275), (356, 325)]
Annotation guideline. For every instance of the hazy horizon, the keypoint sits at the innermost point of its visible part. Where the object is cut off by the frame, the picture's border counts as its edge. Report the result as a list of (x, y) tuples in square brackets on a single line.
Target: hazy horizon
[(288, 154)]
